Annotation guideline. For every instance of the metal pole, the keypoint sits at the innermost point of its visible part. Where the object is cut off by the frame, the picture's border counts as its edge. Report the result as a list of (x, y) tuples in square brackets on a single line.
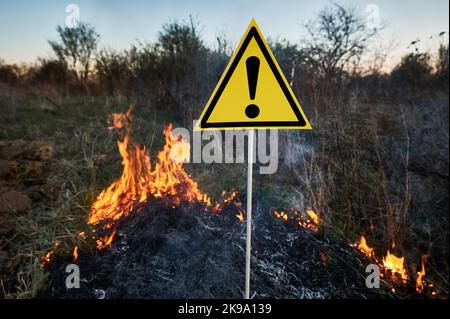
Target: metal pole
[(249, 213)]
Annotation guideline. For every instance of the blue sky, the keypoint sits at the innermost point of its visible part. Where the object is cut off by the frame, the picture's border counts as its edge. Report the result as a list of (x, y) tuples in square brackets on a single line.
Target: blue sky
[(25, 26)]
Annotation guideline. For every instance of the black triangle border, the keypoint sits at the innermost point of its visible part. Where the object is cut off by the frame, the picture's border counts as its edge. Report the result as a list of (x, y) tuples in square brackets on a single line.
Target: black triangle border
[(253, 33)]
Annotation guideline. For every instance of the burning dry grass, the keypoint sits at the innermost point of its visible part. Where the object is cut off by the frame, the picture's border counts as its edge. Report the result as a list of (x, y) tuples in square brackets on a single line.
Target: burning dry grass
[(142, 189), (395, 269), (190, 251), (140, 183), (80, 130), (139, 180), (310, 220)]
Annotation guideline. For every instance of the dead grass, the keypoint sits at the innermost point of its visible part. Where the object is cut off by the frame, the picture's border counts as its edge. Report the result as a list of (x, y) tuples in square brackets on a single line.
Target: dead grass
[(364, 168)]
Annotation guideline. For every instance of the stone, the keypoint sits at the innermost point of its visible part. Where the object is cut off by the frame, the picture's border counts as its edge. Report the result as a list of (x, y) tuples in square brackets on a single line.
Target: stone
[(14, 202)]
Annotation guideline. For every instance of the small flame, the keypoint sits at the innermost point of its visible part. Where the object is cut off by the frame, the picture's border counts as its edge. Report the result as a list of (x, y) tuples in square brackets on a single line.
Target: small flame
[(312, 222), (396, 265), (364, 248), (75, 254), (282, 215), (313, 216), (106, 241), (420, 285), (240, 216), (49, 256)]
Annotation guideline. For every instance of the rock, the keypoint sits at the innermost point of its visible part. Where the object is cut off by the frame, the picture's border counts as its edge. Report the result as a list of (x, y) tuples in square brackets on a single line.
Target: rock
[(34, 150), (14, 202), (41, 150), (7, 169), (33, 169)]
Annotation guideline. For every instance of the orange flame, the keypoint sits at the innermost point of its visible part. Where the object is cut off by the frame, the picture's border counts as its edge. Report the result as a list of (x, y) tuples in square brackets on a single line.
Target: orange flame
[(139, 181), (49, 256), (281, 215), (240, 216), (106, 241), (364, 248), (420, 285), (313, 216), (311, 223), (396, 265), (75, 254)]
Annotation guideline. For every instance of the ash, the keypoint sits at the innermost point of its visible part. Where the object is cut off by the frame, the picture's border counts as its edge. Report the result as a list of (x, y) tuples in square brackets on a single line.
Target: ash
[(188, 251)]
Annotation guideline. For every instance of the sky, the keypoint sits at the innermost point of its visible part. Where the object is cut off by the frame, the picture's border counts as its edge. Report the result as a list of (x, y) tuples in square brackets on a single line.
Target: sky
[(26, 26)]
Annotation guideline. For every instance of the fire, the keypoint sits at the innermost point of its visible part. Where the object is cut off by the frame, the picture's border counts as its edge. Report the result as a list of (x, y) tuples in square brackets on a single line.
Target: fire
[(140, 181), (391, 264), (107, 240), (396, 265), (364, 248), (419, 282), (75, 254), (313, 216), (49, 256), (281, 215), (312, 222)]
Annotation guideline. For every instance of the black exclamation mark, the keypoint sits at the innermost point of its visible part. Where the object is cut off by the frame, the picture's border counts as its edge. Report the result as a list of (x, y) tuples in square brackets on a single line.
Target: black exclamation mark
[(252, 63)]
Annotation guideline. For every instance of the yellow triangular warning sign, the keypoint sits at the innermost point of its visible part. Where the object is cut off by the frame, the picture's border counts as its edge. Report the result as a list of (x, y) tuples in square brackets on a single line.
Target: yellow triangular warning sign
[(252, 92)]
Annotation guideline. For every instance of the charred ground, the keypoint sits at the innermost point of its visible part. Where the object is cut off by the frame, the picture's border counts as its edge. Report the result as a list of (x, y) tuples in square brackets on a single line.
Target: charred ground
[(188, 251)]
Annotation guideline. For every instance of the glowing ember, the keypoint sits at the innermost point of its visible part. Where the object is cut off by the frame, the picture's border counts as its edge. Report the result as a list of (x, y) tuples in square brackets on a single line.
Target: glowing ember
[(420, 285), (364, 248), (48, 257), (396, 265), (281, 215)]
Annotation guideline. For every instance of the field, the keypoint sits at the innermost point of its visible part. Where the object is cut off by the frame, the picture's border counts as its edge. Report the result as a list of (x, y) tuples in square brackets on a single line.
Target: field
[(375, 163)]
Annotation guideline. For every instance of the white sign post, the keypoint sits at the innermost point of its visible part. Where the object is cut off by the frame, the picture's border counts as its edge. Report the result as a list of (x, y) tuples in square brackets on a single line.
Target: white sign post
[(251, 134), (273, 107)]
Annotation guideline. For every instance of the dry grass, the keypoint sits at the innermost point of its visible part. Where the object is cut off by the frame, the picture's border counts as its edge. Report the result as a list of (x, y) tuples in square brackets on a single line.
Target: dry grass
[(363, 169)]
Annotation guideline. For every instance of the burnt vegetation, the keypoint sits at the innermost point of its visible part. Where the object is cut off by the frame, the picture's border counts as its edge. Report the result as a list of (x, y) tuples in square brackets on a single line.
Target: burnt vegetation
[(376, 162), (199, 254)]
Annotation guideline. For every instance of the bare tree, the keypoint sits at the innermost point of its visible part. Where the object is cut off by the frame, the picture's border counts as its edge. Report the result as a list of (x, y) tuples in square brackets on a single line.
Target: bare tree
[(337, 40), (76, 49)]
